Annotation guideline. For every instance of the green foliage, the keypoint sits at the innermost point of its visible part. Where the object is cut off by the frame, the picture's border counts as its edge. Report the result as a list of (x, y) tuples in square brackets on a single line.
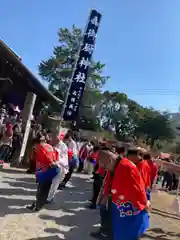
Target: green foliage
[(113, 112), (156, 127), (57, 70)]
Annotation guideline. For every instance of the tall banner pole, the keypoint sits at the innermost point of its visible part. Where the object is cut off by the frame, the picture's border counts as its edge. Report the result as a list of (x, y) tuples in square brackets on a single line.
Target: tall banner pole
[(80, 73)]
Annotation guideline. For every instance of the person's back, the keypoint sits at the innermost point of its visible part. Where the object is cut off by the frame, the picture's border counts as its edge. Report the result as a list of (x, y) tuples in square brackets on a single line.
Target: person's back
[(129, 202), (44, 155), (152, 167), (63, 155), (131, 183), (46, 170), (144, 170), (83, 153), (72, 145)]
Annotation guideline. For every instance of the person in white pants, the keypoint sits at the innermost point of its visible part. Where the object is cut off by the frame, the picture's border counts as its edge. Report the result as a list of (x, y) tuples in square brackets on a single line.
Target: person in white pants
[(62, 152)]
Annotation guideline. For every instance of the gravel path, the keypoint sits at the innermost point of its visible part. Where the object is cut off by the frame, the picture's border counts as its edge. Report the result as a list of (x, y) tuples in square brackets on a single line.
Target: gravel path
[(68, 217)]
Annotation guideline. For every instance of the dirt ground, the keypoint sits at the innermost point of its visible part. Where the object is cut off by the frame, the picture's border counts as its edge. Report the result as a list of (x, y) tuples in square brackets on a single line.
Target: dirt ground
[(67, 218)]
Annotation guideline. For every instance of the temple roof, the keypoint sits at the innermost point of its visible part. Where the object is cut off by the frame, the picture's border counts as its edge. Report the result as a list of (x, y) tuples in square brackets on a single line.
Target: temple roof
[(23, 75)]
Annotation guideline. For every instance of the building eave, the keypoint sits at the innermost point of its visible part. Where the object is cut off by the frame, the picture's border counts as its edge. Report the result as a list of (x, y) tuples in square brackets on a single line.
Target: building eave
[(35, 85)]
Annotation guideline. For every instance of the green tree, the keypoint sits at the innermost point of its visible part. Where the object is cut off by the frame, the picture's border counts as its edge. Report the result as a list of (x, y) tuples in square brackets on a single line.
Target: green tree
[(57, 70), (125, 128), (115, 115), (112, 109), (156, 127), (138, 122)]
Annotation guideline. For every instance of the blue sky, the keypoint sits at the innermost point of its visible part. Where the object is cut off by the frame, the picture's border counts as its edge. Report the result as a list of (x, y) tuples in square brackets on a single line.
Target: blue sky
[(139, 40)]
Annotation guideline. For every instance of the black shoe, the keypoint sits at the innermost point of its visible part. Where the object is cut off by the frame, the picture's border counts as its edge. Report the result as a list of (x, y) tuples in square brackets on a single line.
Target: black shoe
[(92, 206), (61, 186), (36, 209), (96, 234), (99, 235), (29, 171), (31, 207), (50, 202)]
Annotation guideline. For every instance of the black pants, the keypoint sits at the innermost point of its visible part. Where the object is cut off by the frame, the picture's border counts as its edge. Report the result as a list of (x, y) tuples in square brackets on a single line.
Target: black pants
[(42, 193), (106, 225), (67, 176), (174, 182), (32, 166), (168, 180), (98, 180), (81, 166), (106, 219), (5, 151)]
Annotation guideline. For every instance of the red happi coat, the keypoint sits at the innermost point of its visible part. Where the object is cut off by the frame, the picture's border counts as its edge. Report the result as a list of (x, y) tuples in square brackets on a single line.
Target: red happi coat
[(153, 170), (128, 189), (144, 171)]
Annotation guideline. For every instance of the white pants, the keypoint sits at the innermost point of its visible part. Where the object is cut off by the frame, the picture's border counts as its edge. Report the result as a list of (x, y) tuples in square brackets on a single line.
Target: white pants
[(54, 187), (88, 167), (55, 184)]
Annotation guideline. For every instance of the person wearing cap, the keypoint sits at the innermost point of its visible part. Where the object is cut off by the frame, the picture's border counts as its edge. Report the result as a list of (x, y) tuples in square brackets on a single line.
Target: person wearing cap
[(61, 155)]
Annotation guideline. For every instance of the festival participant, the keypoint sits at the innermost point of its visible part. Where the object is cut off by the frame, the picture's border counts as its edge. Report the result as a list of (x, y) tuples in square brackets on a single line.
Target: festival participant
[(153, 167), (61, 155), (105, 229), (99, 173), (72, 147), (83, 154), (72, 158), (46, 170), (128, 203), (144, 171), (6, 143), (93, 160), (68, 175), (31, 146), (16, 141), (90, 147)]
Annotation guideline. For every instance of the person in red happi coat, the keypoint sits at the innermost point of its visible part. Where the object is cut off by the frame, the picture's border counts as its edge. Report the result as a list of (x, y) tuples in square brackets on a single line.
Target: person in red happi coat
[(152, 166), (145, 173)]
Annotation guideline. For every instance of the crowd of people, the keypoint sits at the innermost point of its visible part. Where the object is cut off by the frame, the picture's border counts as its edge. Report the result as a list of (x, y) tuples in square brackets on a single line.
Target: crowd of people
[(11, 134), (122, 180), (122, 177)]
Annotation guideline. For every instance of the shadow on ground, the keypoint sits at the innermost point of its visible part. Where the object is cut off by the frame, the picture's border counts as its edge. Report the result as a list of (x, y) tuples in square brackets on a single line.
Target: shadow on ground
[(69, 211), (160, 234), (16, 191), (13, 171), (76, 220), (46, 238), (165, 214)]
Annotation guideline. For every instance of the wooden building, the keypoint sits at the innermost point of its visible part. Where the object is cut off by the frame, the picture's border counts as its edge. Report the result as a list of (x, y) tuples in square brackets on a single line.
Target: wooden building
[(19, 80)]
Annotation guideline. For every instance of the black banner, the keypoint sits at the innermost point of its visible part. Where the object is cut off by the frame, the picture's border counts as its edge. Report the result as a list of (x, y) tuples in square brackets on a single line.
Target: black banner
[(81, 69)]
